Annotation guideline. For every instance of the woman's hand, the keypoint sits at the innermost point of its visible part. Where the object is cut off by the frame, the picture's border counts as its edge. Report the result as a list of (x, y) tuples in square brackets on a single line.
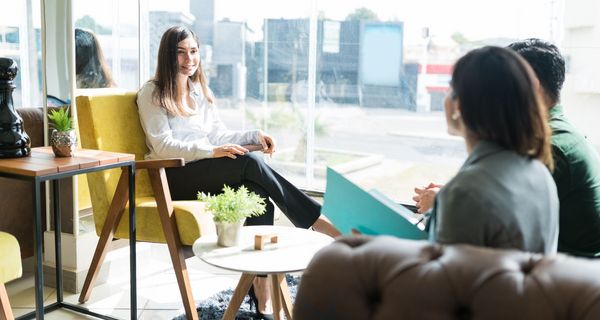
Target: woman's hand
[(425, 196), (267, 142), (229, 150)]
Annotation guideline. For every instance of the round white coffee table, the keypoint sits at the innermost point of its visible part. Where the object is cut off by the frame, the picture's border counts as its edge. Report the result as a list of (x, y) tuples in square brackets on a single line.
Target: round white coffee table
[(293, 250)]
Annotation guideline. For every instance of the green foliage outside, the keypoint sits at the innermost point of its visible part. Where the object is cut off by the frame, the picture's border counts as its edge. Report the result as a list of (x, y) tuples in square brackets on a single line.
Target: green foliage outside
[(284, 117), (233, 205), (87, 22), (362, 13), (292, 119), (61, 119), (459, 38), (322, 15)]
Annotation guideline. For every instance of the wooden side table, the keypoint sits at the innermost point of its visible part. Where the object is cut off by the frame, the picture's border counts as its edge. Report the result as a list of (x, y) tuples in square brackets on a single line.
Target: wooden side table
[(43, 166), (292, 252)]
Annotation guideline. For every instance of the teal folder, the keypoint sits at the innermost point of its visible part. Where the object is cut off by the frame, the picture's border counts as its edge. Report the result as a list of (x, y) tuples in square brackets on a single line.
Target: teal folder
[(372, 213)]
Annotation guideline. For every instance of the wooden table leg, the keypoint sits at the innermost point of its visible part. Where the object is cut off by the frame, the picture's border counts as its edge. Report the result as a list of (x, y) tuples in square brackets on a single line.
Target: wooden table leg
[(238, 295), (276, 295), (285, 295)]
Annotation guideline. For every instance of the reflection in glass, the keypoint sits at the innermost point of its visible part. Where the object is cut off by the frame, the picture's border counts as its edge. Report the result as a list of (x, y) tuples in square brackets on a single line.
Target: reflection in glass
[(381, 70), (90, 66), (116, 35), (20, 40)]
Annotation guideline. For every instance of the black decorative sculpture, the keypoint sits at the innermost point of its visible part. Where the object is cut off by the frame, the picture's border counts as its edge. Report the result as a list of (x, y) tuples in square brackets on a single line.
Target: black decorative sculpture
[(14, 142)]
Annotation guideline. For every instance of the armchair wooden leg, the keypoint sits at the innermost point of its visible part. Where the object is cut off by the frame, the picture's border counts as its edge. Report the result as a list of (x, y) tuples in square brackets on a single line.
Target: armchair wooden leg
[(162, 194), (5, 309), (115, 212)]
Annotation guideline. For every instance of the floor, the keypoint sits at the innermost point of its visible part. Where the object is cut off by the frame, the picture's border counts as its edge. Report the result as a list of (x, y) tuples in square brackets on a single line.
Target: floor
[(158, 294)]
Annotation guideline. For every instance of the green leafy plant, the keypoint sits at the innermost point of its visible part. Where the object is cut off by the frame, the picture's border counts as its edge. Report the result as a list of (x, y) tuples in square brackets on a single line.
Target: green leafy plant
[(61, 119), (291, 119), (233, 205)]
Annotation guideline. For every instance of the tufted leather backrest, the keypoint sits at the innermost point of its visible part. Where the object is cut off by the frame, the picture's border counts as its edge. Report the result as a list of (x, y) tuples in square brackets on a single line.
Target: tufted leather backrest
[(390, 278)]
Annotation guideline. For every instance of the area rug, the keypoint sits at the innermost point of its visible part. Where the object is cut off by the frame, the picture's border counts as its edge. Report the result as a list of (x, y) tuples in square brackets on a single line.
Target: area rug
[(214, 307)]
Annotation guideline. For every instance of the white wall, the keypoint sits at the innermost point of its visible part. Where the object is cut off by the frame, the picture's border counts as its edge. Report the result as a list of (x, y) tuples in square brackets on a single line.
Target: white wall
[(581, 47)]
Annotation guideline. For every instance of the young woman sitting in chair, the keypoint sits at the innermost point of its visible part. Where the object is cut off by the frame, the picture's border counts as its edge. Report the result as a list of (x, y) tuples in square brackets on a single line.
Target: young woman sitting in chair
[(180, 119)]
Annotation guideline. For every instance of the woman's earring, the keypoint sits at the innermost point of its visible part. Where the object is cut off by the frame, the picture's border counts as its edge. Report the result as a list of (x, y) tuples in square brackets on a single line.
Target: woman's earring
[(455, 115)]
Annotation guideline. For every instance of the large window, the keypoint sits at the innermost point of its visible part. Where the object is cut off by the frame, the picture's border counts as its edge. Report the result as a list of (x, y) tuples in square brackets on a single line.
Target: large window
[(20, 40), (113, 26), (358, 85)]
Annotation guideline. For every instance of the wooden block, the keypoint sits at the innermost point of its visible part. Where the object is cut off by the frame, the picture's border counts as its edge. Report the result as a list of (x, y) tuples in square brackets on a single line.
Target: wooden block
[(259, 240)]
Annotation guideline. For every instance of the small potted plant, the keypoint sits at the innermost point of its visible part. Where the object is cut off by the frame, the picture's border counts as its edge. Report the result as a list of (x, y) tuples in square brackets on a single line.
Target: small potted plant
[(230, 210), (63, 138)]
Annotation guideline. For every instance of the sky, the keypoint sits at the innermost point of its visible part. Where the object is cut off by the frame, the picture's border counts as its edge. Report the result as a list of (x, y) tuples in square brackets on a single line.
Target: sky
[(476, 19), (13, 11)]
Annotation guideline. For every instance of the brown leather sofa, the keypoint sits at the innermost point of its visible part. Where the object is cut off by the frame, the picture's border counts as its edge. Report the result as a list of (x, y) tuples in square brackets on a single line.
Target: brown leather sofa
[(390, 278), (16, 196)]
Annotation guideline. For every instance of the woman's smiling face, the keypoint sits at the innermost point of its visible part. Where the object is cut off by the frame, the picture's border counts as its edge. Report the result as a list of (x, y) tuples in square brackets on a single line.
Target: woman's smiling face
[(188, 56)]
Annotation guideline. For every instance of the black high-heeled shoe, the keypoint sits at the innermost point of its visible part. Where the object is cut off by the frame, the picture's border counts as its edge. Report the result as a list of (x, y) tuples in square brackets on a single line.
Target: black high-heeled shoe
[(254, 301)]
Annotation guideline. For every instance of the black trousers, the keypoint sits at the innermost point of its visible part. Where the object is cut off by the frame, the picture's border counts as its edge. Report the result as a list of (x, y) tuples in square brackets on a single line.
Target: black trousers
[(250, 170)]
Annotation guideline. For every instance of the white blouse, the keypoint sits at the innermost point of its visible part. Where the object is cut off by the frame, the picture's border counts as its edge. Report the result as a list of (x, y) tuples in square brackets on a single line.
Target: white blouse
[(190, 137)]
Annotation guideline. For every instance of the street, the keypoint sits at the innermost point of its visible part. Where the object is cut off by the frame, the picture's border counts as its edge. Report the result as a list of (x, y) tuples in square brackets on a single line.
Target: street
[(415, 147)]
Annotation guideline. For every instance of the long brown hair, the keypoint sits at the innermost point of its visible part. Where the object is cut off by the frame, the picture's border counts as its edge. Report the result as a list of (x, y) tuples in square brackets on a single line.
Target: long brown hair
[(90, 66), (167, 70), (496, 90)]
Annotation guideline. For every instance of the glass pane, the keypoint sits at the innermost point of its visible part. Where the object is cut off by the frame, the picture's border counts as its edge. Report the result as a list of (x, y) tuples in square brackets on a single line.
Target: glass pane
[(381, 73), (20, 40), (232, 36), (107, 45)]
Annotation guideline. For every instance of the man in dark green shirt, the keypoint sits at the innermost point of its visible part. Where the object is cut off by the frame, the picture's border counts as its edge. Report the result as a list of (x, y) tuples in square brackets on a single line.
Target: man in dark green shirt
[(577, 164)]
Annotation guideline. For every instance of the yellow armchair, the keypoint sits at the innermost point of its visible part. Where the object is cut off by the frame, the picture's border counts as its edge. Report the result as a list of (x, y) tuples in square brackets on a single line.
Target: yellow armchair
[(109, 121), (10, 269)]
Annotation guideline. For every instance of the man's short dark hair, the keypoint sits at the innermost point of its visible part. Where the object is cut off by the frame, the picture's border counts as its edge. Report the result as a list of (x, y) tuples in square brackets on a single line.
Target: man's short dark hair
[(546, 61)]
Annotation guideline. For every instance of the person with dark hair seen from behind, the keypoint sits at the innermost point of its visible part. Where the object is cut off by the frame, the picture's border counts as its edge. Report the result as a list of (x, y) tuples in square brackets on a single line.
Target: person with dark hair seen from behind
[(180, 119), (503, 195), (577, 164), (90, 67)]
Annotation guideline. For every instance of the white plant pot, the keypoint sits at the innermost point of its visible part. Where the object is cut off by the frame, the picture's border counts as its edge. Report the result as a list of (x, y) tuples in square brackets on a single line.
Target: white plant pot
[(228, 233)]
